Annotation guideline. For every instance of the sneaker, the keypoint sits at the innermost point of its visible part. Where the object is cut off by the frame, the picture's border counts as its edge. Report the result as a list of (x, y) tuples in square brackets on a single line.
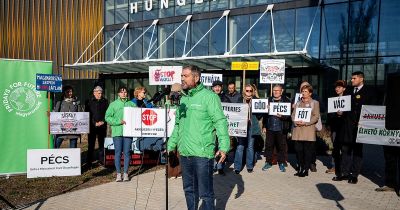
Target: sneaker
[(250, 170), (118, 179), (126, 177), (330, 171), (266, 166), (282, 167)]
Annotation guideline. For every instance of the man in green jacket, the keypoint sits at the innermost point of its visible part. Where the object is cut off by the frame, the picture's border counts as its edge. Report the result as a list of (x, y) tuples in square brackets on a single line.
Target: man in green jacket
[(199, 113)]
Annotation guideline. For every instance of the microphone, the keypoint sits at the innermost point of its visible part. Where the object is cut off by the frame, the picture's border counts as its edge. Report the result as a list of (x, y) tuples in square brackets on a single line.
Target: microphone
[(160, 94)]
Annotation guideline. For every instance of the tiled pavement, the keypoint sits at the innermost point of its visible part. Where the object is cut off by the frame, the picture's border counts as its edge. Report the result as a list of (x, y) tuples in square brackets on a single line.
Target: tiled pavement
[(258, 190)]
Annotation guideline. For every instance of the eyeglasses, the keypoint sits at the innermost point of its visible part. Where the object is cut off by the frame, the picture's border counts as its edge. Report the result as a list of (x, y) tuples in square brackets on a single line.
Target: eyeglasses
[(249, 91)]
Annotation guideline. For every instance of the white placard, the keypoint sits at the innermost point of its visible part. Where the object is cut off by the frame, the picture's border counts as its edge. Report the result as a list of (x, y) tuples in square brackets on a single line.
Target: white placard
[(69, 122), (341, 103), (237, 116), (53, 162), (259, 105), (297, 97), (302, 114), (371, 127), (279, 108), (144, 122), (272, 71), (164, 75), (208, 79)]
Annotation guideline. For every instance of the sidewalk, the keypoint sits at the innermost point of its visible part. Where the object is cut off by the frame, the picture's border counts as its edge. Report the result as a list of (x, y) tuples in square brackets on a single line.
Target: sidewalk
[(258, 190)]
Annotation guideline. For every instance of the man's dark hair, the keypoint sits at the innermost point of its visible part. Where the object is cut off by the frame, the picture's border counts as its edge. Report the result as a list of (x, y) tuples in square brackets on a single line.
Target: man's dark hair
[(358, 73), (121, 88), (66, 88), (194, 69), (231, 83)]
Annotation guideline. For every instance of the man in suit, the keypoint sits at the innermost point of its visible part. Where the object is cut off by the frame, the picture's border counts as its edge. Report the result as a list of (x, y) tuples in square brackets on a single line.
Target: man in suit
[(351, 151)]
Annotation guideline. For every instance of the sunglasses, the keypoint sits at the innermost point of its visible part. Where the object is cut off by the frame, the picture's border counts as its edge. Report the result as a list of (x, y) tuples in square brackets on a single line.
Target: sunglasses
[(249, 91)]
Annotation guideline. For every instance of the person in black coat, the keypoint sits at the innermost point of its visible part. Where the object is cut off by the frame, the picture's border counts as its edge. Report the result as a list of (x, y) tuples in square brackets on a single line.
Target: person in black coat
[(352, 152), (97, 107)]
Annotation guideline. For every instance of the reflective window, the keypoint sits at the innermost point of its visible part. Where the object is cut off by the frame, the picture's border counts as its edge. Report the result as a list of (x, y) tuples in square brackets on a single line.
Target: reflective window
[(121, 11), (180, 37), (167, 49), (219, 5), (136, 16), (389, 33), (167, 12), (363, 25), (365, 65), (284, 23), (136, 50), (201, 7), (238, 25), (334, 31), (217, 37), (260, 35), (153, 13), (109, 12), (304, 20), (387, 65), (239, 3), (334, 1), (258, 2), (150, 42), (120, 44), (109, 48), (184, 10), (199, 28)]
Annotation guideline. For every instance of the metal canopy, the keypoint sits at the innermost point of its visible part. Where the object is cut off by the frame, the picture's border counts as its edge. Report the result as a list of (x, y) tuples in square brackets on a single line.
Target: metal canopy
[(293, 59)]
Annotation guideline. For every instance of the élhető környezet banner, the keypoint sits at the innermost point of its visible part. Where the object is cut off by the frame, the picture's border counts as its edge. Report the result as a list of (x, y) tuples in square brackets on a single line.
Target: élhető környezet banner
[(24, 121)]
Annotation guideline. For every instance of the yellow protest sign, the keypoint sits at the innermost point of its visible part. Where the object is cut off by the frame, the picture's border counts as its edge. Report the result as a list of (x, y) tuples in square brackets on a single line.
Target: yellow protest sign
[(253, 65)]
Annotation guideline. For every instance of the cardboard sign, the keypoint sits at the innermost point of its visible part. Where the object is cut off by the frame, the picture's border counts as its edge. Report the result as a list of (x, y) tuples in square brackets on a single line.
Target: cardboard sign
[(371, 127), (69, 122), (303, 114), (342, 103), (254, 65), (272, 71), (297, 97), (53, 162), (279, 108), (144, 122), (208, 79), (237, 116), (164, 75), (49, 82), (259, 105)]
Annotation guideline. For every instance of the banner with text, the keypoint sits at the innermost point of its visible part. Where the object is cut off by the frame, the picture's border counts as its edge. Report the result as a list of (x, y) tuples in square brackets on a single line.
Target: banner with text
[(342, 104), (53, 162), (69, 122), (303, 114), (49, 82), (276, 108), (208, 79), (272, 71), (259, 105), (164, 75), (371, 127), (245, 65), (237, 116), (22, 113)]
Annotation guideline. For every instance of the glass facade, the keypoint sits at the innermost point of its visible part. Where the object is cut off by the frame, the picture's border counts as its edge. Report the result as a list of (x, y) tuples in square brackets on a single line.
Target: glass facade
[(347, 35)]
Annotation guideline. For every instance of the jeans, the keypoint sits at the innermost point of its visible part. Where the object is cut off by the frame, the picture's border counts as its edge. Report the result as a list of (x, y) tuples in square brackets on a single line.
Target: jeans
[(124, 144), (242, 143), (73, 142), (197, 178)]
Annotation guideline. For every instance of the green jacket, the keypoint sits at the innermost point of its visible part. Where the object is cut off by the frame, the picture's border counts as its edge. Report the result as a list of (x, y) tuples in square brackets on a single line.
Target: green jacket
[(115, 113), (199, 113)]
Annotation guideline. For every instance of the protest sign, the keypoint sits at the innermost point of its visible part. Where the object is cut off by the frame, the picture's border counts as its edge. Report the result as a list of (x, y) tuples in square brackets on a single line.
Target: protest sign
[(303, 114), (49, 82), (23, 112), (371, 127), (164, 75), (237, 116), (297, 97), (341, 103), (53, 162), (69, 122), (259, 105), (208, 79), (279, 108), (272, 71), (245, 65)]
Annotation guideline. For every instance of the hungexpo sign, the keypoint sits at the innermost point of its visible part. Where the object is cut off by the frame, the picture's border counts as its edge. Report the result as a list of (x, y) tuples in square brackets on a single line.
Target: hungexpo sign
[(371, 127), (237, 116), (24, 122)]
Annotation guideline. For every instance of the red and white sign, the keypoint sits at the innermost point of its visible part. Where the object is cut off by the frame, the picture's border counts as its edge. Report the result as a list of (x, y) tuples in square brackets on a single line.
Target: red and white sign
[(164, 75), (147, 122)]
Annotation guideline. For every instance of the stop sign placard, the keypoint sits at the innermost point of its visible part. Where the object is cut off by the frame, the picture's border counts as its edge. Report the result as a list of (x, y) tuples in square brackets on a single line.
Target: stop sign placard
[(149, 117)]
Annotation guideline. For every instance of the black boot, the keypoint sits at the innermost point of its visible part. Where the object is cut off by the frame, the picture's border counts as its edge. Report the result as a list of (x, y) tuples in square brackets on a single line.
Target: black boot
[(303, 173), (300, 169)]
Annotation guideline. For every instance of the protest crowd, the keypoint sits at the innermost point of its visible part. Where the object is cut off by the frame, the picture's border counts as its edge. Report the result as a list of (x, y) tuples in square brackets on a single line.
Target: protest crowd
[(201, 143)]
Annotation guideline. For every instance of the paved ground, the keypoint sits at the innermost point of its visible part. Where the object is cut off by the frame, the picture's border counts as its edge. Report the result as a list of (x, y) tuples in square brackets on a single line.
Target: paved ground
[(259, 190)]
